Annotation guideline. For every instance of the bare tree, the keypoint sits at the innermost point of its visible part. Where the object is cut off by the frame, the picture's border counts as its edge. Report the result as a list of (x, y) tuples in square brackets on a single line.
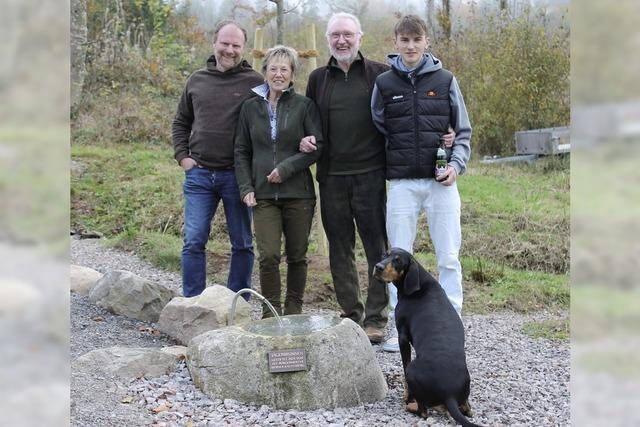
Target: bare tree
[(279, 20), (444, 18), (431, 23), (13, 16), (355, 7), (78, 40), (263, 16)]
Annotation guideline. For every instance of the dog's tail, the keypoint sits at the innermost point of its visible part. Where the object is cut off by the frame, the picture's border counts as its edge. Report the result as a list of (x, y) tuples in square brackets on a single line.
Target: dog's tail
[(454, 410)]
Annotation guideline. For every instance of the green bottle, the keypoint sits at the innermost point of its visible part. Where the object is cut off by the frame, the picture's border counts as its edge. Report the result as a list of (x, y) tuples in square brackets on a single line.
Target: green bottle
[(441, 160)]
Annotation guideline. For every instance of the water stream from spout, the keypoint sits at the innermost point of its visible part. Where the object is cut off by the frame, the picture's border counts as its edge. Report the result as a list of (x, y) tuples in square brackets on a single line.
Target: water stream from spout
[(232, 311)]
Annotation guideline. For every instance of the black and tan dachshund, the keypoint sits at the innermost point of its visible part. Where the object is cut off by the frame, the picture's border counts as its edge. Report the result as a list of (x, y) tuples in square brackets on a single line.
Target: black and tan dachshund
[(438, 377)]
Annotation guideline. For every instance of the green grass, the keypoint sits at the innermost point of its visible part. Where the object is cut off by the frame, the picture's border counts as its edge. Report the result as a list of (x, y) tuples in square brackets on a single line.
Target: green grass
[(555, 329), (620, 362), (34, 187), (516, 214), (604, 213), (491, 287), (515, 224), (595, 189), (161, 249), (601, 311), (127, 189)]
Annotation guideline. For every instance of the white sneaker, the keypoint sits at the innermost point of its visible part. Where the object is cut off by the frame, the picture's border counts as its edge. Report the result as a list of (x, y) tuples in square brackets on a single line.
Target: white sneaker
[(391, 345)]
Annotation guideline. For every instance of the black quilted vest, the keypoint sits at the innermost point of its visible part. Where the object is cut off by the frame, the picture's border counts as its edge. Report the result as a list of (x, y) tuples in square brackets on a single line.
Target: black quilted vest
[(417, 114)]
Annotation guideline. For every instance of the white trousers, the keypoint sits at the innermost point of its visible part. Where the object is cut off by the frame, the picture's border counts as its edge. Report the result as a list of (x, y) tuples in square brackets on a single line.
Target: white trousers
[(405, 199)]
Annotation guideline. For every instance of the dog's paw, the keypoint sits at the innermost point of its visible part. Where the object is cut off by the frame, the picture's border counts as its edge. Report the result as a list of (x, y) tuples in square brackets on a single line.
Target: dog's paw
[(441, 409), (413, 407), (465, 408), (406, 396)]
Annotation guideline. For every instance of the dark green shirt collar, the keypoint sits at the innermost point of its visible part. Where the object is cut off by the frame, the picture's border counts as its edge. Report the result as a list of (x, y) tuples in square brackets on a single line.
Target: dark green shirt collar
[(333, 62)]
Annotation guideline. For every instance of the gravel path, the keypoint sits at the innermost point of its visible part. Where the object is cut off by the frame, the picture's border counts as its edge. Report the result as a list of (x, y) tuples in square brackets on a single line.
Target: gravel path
[(516, 380)]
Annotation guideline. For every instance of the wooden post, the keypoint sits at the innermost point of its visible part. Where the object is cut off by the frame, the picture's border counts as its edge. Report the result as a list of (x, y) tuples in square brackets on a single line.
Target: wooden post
[(310, 40), (311, 44), (258, 42)]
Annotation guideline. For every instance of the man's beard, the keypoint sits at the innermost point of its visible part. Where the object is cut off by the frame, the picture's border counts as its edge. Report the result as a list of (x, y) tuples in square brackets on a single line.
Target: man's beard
[(345, 57)]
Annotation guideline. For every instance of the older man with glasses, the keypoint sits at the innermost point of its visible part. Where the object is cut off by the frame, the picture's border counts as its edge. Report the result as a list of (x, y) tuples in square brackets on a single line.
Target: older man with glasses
[(351, 171)]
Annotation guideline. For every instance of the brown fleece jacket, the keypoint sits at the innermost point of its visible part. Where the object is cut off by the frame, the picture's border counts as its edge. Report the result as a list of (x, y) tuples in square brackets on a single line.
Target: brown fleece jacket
[(205, 123)]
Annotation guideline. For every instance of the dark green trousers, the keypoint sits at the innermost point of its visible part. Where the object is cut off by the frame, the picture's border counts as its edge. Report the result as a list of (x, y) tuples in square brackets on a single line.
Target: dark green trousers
[(273, 219), (347, 202)]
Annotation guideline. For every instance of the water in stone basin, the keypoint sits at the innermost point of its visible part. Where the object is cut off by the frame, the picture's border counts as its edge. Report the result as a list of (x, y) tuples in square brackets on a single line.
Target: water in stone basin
[(299, 324)]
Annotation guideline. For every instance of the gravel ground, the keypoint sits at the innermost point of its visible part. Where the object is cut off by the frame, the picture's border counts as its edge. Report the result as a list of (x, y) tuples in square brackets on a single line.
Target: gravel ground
[(516, 380)]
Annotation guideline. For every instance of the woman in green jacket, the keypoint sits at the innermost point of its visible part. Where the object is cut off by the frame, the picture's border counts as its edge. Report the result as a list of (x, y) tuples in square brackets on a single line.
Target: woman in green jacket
[(274, 176)]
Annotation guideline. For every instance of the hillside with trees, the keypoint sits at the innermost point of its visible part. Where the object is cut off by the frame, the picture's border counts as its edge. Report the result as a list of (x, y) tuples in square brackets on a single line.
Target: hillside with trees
[(511, 58)]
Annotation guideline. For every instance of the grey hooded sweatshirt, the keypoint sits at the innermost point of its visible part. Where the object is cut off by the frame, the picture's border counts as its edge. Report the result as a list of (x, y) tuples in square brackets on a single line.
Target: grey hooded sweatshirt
[(461, 149)]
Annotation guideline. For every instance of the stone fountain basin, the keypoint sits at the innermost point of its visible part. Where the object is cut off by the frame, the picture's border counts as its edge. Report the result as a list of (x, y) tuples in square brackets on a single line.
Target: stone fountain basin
[(342, 369)]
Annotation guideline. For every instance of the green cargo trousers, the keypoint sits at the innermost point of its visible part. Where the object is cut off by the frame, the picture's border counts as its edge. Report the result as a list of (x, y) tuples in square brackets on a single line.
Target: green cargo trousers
[(273, 218)]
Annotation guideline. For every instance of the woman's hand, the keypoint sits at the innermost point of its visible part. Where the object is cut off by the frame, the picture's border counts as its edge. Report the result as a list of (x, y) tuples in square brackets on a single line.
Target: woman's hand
[(308, 144), (274, 177), (250, 199)]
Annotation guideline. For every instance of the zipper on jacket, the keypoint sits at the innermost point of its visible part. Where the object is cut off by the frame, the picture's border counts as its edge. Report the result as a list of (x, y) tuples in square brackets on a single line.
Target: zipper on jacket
[(415, 120), (275, 142), (273, 145)]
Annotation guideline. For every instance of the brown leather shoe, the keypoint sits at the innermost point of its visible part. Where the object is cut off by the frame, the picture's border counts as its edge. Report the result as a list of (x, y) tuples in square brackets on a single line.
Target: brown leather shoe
[(374, 334)]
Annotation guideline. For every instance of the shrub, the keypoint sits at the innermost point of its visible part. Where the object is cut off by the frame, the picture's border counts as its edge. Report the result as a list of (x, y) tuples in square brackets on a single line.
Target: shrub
[(514, 75)]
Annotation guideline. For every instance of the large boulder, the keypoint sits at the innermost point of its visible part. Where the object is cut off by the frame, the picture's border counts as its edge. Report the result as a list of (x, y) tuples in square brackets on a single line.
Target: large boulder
[(122, 292), (128, 362), (184, 318), (341, 366), (82, 279), (17, 296)]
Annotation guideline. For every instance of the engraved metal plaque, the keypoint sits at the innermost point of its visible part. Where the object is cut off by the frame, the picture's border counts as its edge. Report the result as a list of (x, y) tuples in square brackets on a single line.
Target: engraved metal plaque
[(291, 360)]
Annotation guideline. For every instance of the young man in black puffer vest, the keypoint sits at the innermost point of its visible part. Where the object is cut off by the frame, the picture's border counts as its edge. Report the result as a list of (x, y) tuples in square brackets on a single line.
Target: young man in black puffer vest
[(413, 105)]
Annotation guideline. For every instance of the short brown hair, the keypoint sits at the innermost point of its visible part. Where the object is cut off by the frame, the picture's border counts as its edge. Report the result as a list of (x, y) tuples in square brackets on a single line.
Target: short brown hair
[(410, 24), (220, 25)]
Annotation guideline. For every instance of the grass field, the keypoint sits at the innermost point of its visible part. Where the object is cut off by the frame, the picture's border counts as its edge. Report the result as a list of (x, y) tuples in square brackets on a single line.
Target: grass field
[(605, 248), (515, 225), (34, 187)]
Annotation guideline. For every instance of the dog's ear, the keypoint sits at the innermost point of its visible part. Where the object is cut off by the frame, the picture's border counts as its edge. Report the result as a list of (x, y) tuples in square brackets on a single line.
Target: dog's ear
[(412, 278)]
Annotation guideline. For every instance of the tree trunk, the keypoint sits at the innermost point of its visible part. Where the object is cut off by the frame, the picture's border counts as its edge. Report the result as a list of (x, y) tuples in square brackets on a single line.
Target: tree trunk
[(12, 22), (279, 20), (444, 18), (78, 45), (431, 23)]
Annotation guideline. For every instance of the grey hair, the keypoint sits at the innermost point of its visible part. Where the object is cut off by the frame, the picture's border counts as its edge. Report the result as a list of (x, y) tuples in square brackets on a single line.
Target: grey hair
[(280, 51), (344, 15)]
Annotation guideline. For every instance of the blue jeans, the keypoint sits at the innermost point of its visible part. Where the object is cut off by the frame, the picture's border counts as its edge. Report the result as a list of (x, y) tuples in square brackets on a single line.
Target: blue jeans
[(203, 190)]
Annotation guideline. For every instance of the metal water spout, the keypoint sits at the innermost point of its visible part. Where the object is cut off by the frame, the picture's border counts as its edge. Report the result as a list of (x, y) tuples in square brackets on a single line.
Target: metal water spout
[(232, 311)]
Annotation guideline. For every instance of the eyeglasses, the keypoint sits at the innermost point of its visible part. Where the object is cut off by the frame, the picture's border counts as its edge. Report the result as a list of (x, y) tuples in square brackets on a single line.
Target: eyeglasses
[(346, 35)]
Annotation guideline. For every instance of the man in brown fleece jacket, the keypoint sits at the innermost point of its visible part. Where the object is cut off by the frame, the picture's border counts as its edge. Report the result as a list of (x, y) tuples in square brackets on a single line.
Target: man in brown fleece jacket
[(203, 132)]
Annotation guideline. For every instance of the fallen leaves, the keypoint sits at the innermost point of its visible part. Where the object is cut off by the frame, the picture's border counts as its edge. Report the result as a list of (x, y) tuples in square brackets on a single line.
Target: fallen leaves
[(161, 408), (149, 330)]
